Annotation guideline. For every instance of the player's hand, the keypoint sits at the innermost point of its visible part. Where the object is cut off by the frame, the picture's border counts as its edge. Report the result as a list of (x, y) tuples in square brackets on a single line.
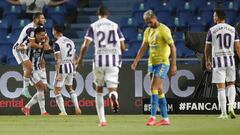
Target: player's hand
[(21, 47), (173, 70), (208, 65), (46, 47), (134, 65), (59, 77)]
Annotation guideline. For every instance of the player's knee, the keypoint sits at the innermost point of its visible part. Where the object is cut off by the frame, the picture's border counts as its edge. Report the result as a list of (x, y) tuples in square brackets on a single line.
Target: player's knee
[(230, 84), (57, 91), (69, 88)]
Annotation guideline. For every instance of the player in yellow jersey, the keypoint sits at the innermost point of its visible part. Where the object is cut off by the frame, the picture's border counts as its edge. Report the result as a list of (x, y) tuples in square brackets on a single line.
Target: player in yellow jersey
[(158, 38)]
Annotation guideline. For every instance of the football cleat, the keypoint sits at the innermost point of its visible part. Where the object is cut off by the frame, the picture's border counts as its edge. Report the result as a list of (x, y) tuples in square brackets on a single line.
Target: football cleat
[(62, 114), (26, 111), (162, 123), (102, 124), (150, 122), (114, 103), (26, 93), (78, 111), (223, 116), (45, 114), (232, 114)]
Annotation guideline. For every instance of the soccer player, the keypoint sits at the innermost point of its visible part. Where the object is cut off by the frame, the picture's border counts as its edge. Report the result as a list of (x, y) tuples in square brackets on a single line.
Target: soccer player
[(222, 39), (35, 54), (158, 38), (108, 43), (64, 52), (21, 57)]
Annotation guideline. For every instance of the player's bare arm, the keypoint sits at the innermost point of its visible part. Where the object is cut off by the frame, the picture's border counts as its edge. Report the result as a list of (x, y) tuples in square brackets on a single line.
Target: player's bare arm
[(173, 66), (237, 48), (207, 53), (123, 46), (140, 54), (57, 57), (83, 50)]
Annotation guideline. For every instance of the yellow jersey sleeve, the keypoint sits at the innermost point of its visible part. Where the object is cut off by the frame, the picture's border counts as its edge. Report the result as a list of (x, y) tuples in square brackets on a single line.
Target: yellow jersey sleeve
[(167, 36)]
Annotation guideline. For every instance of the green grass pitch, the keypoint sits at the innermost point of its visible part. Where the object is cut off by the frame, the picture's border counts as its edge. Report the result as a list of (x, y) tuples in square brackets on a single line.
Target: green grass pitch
[(118, 125)]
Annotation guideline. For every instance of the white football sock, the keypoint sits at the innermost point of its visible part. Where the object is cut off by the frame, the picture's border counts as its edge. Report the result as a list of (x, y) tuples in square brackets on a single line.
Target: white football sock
[(74, 98), (32, 102), (231, 95), (60, 103), (114, 93), (100, 107), (41, 101), (222, 100), (44, 76), (25, 82)]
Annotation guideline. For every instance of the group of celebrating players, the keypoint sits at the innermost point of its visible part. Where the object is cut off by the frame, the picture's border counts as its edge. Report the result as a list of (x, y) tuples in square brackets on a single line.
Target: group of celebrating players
[(109, 44)]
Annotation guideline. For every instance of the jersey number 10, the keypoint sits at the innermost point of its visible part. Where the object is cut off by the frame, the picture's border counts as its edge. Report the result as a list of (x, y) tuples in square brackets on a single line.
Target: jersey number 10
[(224, 40)]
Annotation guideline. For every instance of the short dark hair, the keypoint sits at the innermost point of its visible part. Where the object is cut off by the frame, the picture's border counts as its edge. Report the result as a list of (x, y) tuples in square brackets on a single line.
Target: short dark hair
[(39, 29), (59, 28), (36, 15), (220, 14), (102, 10)]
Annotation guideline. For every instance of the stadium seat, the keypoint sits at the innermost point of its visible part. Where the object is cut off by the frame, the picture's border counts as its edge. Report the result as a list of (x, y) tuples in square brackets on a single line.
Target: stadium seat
[(128, 21), (185, 15), (12, 13), (143, 6), (18, 25), (129, 32), (230, 5), (209, 5), (90, 52), (179, 36), (196, 28), (183, 51), (139, 17), (207, 14), (11, 61), (165, 16), (230, 16), (49, 26), (176, 4), (3, 29), (57, 14), (198, 5)]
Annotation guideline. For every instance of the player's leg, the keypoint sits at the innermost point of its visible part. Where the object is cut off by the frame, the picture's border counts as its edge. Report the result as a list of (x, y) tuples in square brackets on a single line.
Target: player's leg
[(58, 84), (40, 97), (99, 82), (111, 79), (27, 67), (218, 77), (230, 78), (161, 74), (26, 108), (68, 84), (44, 75)]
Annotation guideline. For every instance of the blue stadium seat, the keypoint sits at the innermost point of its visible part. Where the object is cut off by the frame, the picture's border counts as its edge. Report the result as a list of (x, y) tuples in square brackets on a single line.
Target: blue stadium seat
[(199, 5), (210, 5), (129, 32), (196, 28), (49, 26), (57, 14), (143, 6), (183, 51), (71, 5), (12, 13), (139, 17), (178, 36), (231, 5), (3, 29), (90, 52), (176, 4), (165, 16), (230, 16), (186, 15), (11, 61), (18, 25), (207, 14), (128, 21)]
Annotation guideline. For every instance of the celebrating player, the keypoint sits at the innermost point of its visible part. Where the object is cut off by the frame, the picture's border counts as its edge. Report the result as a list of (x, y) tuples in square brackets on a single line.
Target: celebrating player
[(159, 39), (108, 43), (27, 34), (64, 52), (222, 40), (35, 54)]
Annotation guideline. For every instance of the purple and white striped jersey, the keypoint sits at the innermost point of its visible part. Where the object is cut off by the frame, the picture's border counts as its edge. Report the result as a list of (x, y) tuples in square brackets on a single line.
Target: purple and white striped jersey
[(222, 38), (26, 33), (106, 36), (66, 48)]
